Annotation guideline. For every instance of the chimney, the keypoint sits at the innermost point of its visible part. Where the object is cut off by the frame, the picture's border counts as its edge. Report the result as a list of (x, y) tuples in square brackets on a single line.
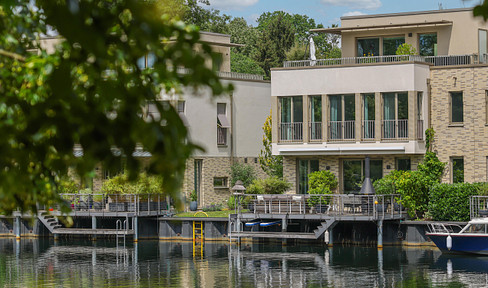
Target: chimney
[(367, 187)]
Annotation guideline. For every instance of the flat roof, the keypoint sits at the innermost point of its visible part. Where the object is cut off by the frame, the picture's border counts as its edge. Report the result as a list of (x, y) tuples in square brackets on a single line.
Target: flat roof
[(339, 30), (407, 13)]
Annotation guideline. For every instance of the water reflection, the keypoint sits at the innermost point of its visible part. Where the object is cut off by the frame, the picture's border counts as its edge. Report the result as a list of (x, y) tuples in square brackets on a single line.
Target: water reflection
[(41, 262)]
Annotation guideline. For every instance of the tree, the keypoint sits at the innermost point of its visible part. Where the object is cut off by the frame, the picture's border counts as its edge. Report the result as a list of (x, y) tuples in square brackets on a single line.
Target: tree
[(91, 92), (242, 64), (274, 42), (271, 164)]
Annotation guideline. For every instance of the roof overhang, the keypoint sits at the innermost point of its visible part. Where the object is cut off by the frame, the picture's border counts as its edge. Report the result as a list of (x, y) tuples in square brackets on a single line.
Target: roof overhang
[(340, 30), (357, 150)]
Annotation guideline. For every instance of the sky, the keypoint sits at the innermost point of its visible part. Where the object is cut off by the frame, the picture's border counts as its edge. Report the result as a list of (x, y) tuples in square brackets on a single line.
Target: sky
[(329, 12)]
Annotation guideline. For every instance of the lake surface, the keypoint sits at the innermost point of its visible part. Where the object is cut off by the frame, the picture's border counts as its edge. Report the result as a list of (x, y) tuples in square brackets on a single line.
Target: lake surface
[(43, 263)]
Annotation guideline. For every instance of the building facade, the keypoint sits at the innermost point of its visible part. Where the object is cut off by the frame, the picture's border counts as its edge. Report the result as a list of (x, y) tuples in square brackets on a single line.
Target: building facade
[(330, 114)]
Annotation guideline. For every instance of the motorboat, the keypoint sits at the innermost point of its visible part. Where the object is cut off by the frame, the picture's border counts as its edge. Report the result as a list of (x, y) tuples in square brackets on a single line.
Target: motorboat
[(453, 238)]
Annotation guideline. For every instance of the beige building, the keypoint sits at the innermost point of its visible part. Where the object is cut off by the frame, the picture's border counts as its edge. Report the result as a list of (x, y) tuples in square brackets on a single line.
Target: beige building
[(329, 114)]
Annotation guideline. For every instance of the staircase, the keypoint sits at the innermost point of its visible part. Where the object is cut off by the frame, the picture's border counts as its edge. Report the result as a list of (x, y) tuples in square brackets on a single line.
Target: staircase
[(324, 226), (50, 221)]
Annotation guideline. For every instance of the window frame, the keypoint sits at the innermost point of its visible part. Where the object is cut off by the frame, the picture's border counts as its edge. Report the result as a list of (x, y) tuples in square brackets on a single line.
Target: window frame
[(451, 93), (224, 181), (222, 128), (452, 163), (309, 170), (435, 45)]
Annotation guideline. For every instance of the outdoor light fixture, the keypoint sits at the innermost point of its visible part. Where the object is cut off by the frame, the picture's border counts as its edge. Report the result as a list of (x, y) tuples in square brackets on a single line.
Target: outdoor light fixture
[(239, 187)]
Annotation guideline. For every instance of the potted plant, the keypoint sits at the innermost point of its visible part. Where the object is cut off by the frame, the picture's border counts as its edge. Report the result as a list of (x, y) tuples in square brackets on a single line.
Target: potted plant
[(193, 201), (320, 183)]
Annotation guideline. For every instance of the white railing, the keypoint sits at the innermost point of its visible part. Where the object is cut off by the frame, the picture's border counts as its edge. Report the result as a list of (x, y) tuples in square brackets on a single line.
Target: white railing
[(342, 130), (395, 129), (368, 129), (232, 75), (315, 131), (435, 60), (291, 132)]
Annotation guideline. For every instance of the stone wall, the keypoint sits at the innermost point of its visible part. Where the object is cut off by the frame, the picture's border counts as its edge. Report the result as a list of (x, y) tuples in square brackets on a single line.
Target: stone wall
[(468, 139)]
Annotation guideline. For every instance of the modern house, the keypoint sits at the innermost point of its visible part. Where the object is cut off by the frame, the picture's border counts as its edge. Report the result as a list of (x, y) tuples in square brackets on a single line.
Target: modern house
[(329, 114), (228, 128)]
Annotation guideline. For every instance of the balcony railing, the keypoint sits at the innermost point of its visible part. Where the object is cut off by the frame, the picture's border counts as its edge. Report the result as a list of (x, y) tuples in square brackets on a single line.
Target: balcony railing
[(291, 132), (435, 60), (221, 136), (420, 129), (342, 130), (368, 129), (395, 129), (315, 131)]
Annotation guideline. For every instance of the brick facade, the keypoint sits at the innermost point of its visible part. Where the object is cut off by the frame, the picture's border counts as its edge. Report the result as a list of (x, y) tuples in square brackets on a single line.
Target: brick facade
[(468, 139)]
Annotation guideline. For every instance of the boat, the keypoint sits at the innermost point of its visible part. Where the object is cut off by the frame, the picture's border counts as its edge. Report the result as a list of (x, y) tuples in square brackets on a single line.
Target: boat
[(452, 238)]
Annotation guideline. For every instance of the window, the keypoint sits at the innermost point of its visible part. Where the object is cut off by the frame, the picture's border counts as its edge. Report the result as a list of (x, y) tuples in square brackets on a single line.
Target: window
[(197, 180), (403, 164), (353, 172), (217, 62), (152, 112), (147, 61), (110, 171), (368, 115), (222, 124), (181, 112), (316, 117), (220, 182), (420, 121), (395, 115), (304, 168), (342, 117), (457, 164), (456, 107), (428, 44), (291, 112), (482, 45), (390, 44), (368, 47)]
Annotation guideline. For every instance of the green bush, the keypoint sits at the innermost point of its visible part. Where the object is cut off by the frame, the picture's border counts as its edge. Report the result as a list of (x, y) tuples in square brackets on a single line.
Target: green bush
[(231, 203), (450, 202), (243, 172), (67, 186), (145, 184), (320, 182), (271, 185)]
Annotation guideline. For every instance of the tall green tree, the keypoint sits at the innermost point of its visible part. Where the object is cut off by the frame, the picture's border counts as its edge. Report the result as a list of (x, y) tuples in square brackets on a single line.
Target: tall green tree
[(271, 164), (274, 42), (90, 91)]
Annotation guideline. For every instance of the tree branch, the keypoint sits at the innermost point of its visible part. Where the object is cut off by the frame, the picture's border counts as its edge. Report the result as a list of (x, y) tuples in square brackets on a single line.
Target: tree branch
[(12, 55)]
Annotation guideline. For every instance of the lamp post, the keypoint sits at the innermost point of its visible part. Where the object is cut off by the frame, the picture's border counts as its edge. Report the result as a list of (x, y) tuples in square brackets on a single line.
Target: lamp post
[(238, 189)]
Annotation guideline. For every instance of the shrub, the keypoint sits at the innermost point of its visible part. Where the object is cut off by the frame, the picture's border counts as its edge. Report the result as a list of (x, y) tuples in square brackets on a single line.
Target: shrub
[(212, 207), (67, 186), (243, 172), (450, 202), (320, 182), (231, 203), (271, 185), (145, 184)]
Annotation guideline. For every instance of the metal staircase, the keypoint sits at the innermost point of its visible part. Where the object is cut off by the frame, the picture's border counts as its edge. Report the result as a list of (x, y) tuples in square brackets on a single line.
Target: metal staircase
[(324, 226), (50, 221)]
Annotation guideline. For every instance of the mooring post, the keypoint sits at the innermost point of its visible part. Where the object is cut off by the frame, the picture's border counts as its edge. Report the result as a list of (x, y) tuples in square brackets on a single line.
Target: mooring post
[(380, 234), (136, 236), (94, 226), (284, 227), (331, 237), (17, 227)]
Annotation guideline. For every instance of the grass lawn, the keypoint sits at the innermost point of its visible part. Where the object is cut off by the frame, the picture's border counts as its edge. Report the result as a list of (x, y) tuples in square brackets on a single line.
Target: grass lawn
[(223, 214)]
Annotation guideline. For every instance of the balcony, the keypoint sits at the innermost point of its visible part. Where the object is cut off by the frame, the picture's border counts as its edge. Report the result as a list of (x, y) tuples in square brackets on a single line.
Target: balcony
[(395, 129), (291, 132), (446, 60), (315, 132)]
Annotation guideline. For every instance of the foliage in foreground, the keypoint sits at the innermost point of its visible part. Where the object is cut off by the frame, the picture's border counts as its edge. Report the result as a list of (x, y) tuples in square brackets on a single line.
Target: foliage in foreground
[(90, 91)]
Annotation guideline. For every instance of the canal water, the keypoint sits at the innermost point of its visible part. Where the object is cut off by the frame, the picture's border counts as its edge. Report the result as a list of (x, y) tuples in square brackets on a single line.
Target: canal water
[(43, 263)]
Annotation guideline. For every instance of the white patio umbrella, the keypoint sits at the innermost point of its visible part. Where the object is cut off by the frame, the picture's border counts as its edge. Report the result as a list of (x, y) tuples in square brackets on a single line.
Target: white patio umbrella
[(312, 52)]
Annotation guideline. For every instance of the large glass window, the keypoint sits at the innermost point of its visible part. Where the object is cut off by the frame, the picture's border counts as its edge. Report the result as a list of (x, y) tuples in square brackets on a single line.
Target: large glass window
[(457, 107), (316, 117), (291, 110), (395, 115), (368, 115), (353, 172), (368, 47), (342, 116), (390, 44), (428, 44), (305, 167), (457, 169)]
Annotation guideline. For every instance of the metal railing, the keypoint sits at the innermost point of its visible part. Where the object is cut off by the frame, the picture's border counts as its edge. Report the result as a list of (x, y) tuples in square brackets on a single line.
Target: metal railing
[(291, 132), (232, 75), (420, 129), (376, 206), (342, 130), (315, 133), (221, 136), (368, 129), (444, 60), (83, 204), (478, 206), (395, 129)]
